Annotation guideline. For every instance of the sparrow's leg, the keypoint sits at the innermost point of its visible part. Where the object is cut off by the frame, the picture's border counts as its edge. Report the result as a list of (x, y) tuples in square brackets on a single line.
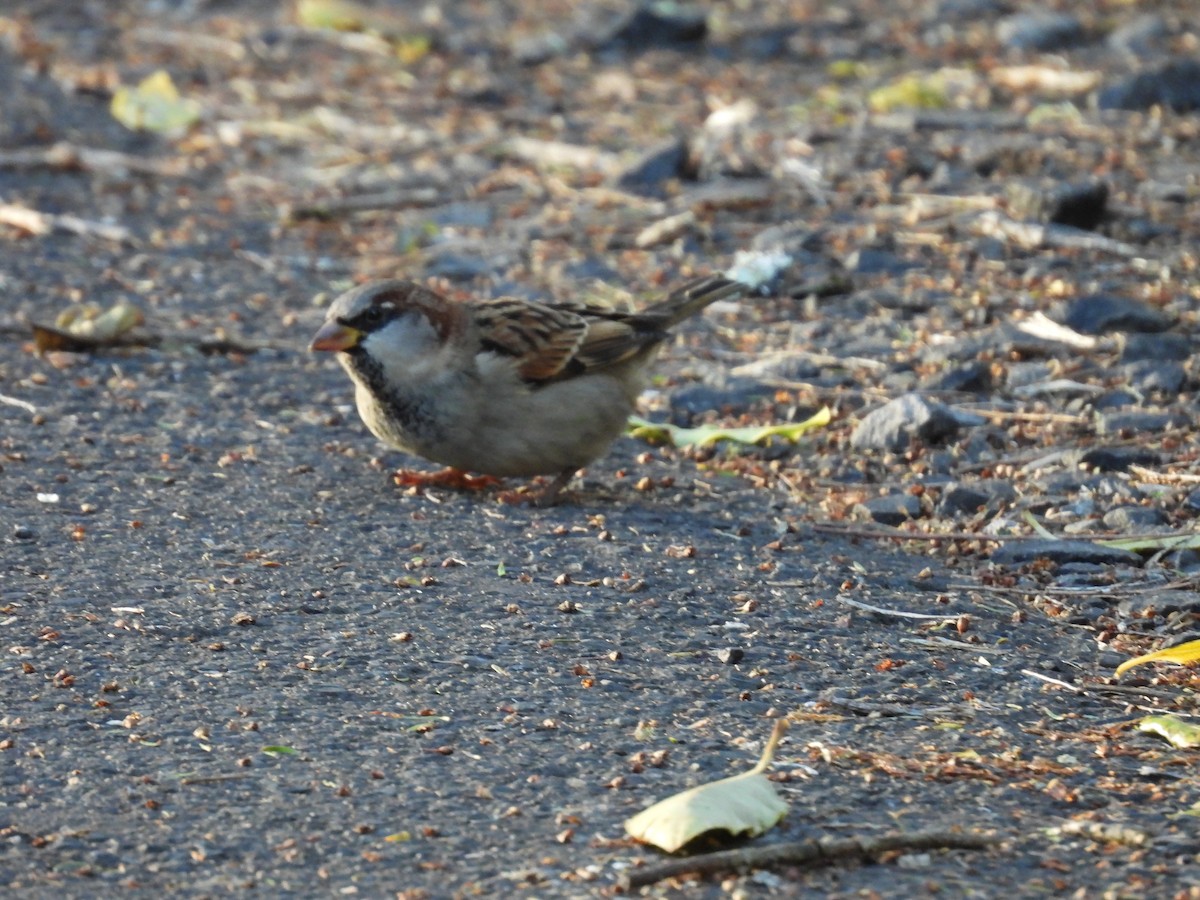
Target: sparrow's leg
[(549, 494), (451, 478), (543, 498)]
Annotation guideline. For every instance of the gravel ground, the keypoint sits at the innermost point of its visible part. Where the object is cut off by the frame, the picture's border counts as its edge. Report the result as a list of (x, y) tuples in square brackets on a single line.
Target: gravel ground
[(239, 658)]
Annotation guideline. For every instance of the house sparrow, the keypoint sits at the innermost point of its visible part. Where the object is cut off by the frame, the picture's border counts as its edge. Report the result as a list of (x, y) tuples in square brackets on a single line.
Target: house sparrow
[(502, 387)]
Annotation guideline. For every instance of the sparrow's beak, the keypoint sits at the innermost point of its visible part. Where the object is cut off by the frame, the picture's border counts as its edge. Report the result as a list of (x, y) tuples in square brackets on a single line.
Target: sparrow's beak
[(335, 336)]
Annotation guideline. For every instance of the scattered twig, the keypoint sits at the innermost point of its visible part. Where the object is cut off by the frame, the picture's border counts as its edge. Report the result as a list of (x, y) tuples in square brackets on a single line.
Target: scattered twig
[(1057, 682), (58, 339), (191, 41), (1035, 236), (210, 779), (558, 153), (1149, 476), (398, 198), (894, 534), (18, 402), (900, 614), (64, 155), (811, 852), (888, 710), (1105, 832), (38, 223), (937, 643)]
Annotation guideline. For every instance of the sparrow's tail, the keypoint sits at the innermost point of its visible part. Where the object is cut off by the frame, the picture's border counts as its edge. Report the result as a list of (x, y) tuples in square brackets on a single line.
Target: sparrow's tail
[(688, 299)]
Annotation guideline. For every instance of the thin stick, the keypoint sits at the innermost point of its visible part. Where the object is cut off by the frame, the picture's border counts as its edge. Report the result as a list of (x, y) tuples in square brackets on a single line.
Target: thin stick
[(18, 402), (812, 852), (883, 611)]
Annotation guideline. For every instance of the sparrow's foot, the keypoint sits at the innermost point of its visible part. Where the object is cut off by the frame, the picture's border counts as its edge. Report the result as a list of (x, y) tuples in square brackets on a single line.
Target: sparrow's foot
[(451, 478), (543, 498)]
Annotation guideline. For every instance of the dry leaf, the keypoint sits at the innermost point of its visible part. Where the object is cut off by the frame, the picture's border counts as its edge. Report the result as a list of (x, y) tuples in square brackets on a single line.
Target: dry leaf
[(1180, 653), (745, 804), (154, 105), (662, 433), (85, 327)]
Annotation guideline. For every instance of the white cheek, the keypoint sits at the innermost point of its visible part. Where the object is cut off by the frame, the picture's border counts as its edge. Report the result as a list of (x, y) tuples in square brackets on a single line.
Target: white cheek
[(405, 347)]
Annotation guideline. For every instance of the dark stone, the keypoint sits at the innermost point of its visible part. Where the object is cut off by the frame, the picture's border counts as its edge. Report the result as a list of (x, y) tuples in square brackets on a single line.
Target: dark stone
[(968, 499), (1062, 552), (1118, 459), (1039, 31), (893, 425), (733, 395), (1170, 346), (1141, 36), (649, 174), (1134, 518), (1151, 376), (894, 509), (1078, 205), (730, 655), (973, 378), (1175, 85), (1102, 313), (660, 25), (1115, 400), (1130, 424), (874, 261)]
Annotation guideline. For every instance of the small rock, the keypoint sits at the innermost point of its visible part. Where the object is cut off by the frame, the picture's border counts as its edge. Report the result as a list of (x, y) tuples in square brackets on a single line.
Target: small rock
[(1102, 313), (874, 261), (1134, 518), (894, 509), (1142, 36), (969, 499), (1157, 346), (1175, 85), (1131, 424), (1078, 205), (730, 655), (973, 378), (893, 425), (729, 396), (1039, 31), (1115, 399), (1118, 459), (660, 25), (23, 533), (649, 174), (1063, 552), (1152, 376)]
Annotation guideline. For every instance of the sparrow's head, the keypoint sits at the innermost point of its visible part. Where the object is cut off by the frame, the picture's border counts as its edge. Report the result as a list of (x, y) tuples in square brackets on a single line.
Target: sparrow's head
[(397, 326)]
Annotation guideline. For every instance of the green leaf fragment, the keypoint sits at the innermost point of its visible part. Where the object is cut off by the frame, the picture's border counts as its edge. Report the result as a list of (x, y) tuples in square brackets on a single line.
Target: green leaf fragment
[(154, 105), (1177, 732), (662, 433)]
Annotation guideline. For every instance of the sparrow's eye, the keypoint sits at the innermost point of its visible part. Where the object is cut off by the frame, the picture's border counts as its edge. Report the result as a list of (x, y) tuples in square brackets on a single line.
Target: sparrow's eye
[(373, 316)]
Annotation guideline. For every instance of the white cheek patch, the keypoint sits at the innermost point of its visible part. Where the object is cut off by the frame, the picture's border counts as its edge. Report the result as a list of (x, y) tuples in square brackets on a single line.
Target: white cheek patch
[(405, 346)]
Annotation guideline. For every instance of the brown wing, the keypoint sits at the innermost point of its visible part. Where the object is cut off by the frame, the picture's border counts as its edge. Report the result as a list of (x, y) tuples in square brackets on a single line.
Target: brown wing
[(542, 339), (550, 342)]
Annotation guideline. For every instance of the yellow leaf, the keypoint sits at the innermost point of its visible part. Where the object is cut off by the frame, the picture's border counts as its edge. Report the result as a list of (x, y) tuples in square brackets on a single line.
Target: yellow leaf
[(745, 804), (154, 105), (656, 433), (334, 15), (1180, 653), (913, 91), (1177, 732)]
